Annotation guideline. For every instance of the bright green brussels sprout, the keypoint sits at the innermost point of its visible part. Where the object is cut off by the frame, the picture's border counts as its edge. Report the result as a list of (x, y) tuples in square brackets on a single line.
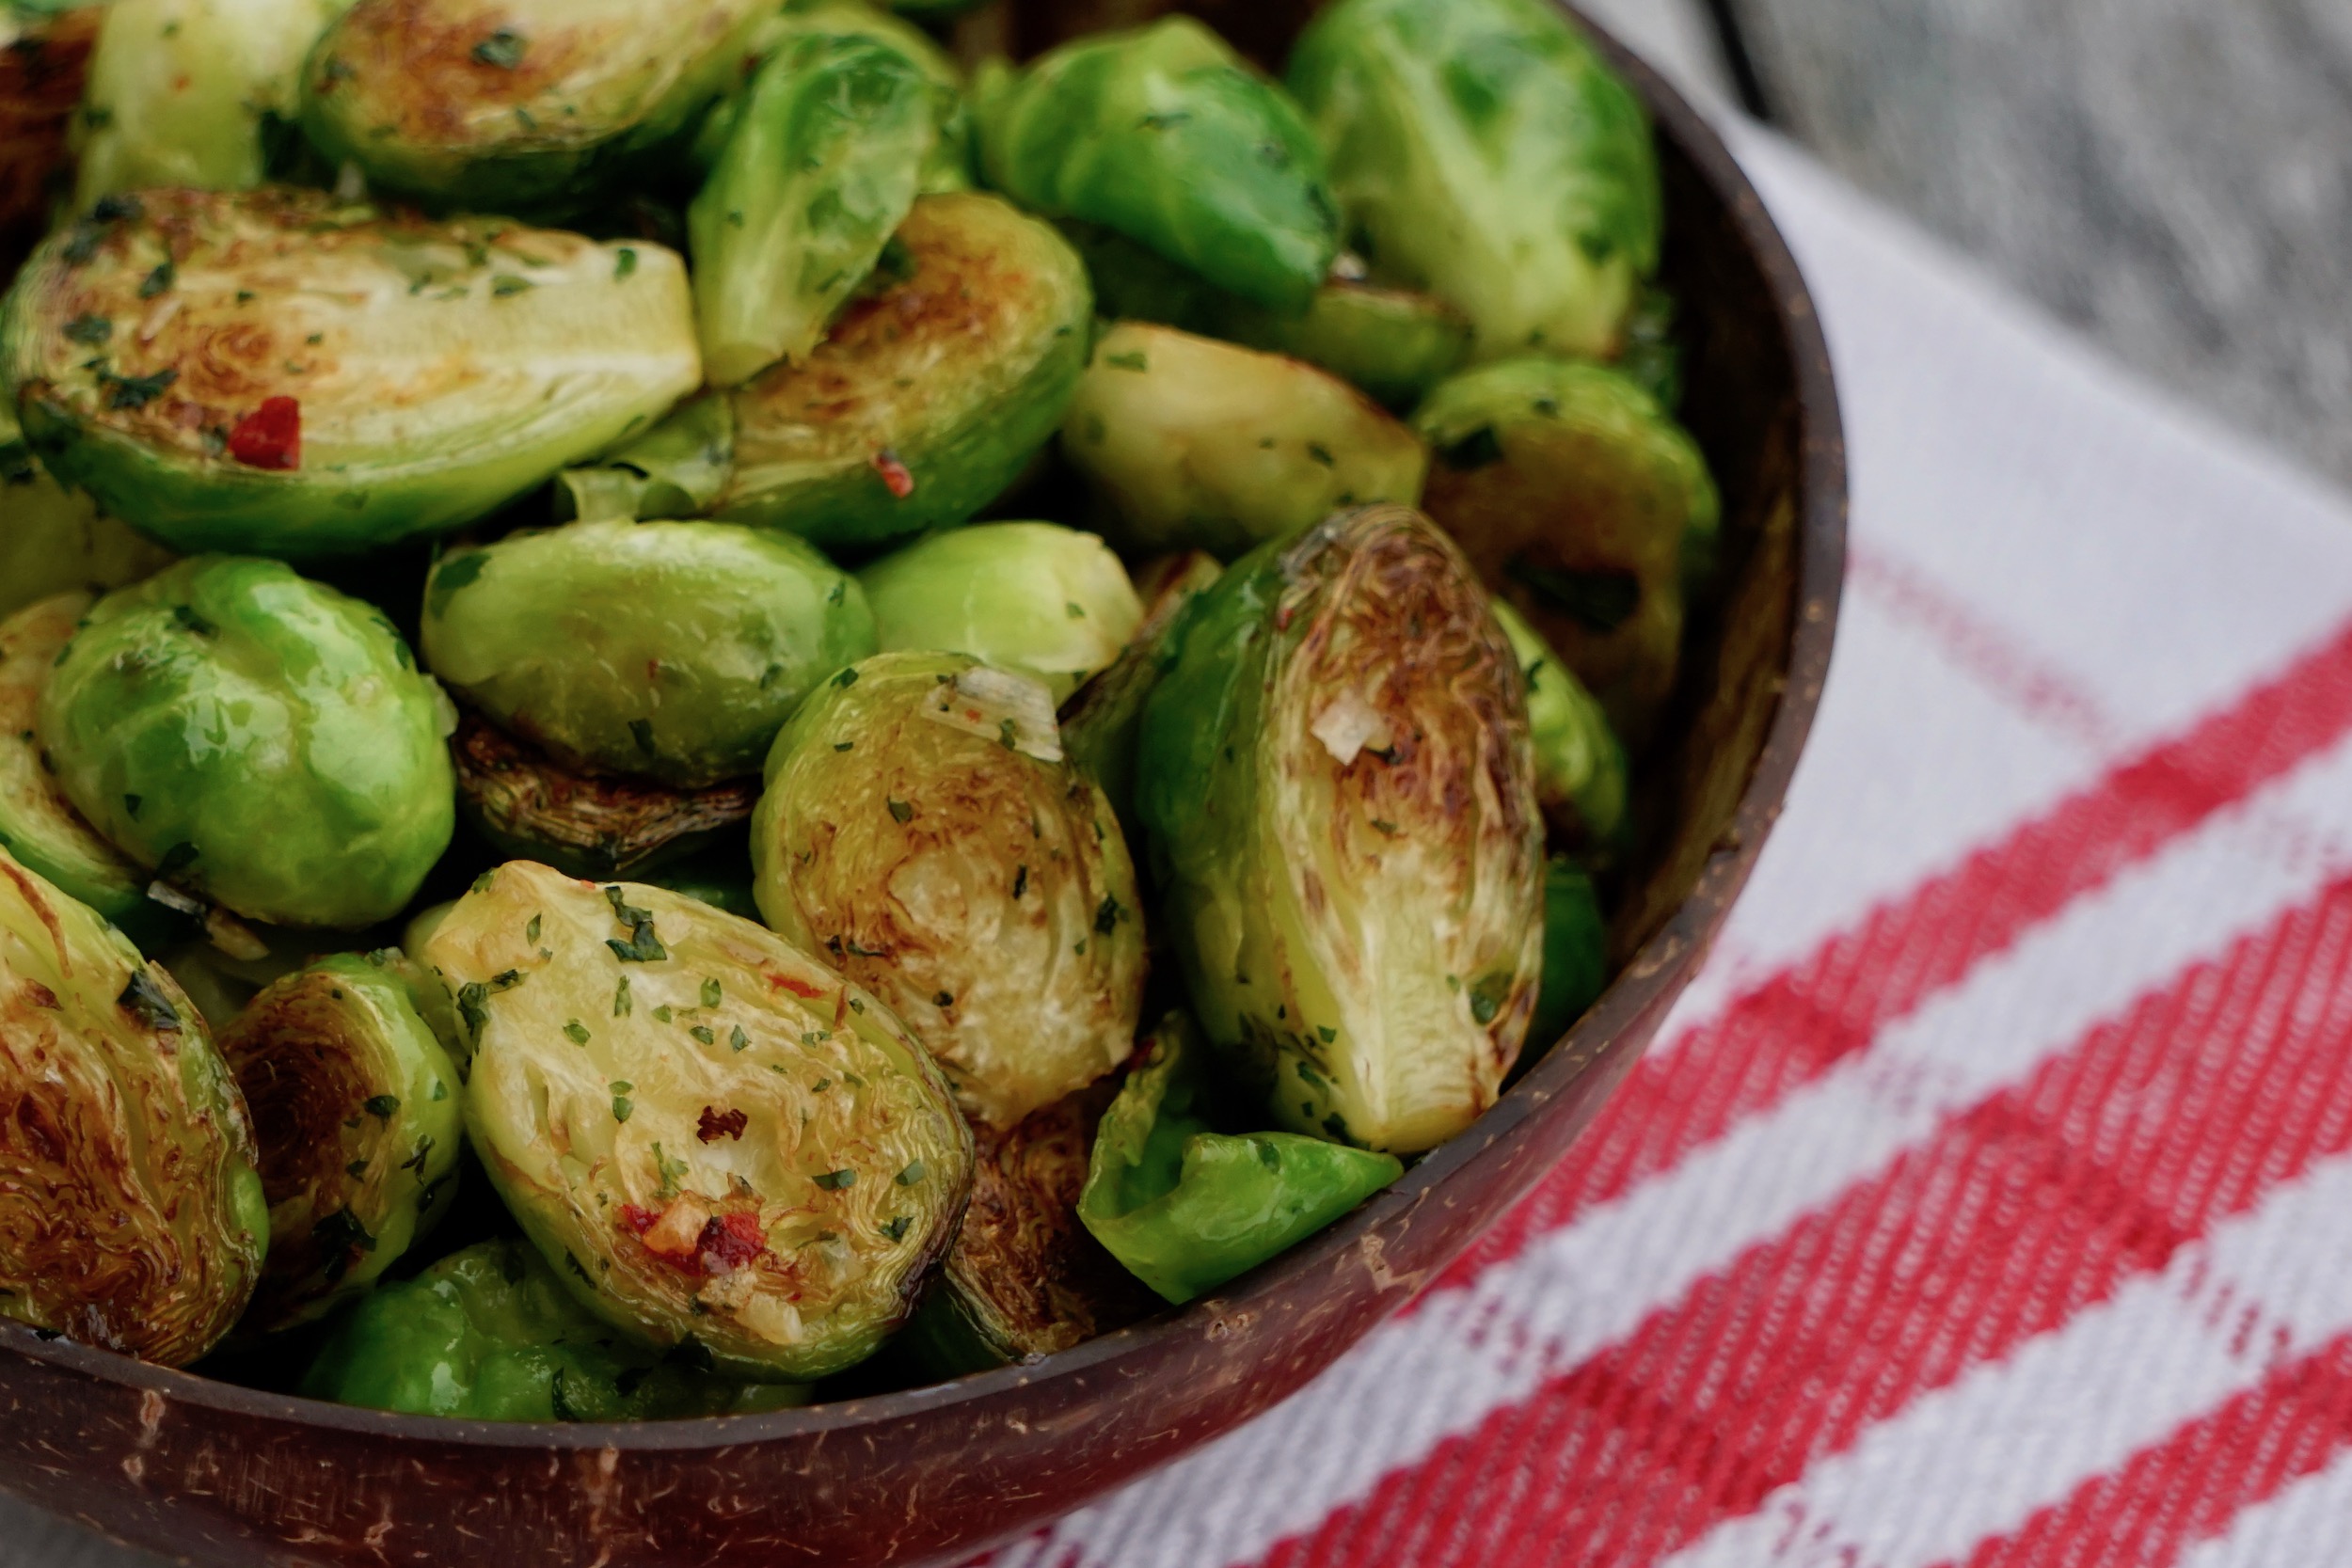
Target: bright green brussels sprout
[(1035, 598), (819, 171), (1580, 768), (38, 824), (667, 651), (56, 539), (505, 105), (1186, 1208), (680, 468), (922, 827), (708, 1131), (1192, 443), (355, 1108), (489, 1334), (1588, 508), (1337, 779), (130, 1216), (1162, 134), (1576, 951), (929, 396), (1482, 150), (276, 373), (192, 92), (1101, 721), (260, 739), (1026, 1278), (528, 806)]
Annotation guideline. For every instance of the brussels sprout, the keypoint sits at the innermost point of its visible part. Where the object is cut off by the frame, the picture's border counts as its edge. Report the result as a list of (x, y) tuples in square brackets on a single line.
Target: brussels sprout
[(1337, 779), (1098, 724), (1162, 134), (273, 373), (1026, 1278), (667, 651), (1588, 508), (1576, 951), (502, 106), (1481, 149), (680, 468), (192, 92), (921, 826), (928, 397), (819, 171), (1040, 600), (528, 806), (489, 1334), (260, 739), (708, 1132), (1580, 768), (1191, 443), (130, 1216), (949, 166), (1186, 1208), (354, 1107), (1652, 358), (56, 539), (44, 60)]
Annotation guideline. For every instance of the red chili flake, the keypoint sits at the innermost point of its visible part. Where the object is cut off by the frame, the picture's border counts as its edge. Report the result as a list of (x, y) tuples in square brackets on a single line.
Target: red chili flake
[(894, 473), (801, 988), (638, 1221), (270, 436), (717, 1124), (731, 1241)]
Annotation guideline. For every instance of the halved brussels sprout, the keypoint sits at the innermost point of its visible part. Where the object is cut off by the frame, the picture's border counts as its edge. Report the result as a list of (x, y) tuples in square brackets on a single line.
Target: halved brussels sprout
[(820, 170), (1580, 768), (949, 167), (502, 106), (1035, 598), (1337, 779), (1165, 136), (1576, 951), (528, 806), (273, 372), (44, 60), (354, 1109), (711, 1135), (667, 651), (56, 539), (1026, 1278), (928, 397), (1186, 1208), (192, 92), (1588, 508), (677, 469), (265, 741), (922, 827), (130, 1216), (1192, 443), (1101, 721), (489, 1334), (1481, 149)]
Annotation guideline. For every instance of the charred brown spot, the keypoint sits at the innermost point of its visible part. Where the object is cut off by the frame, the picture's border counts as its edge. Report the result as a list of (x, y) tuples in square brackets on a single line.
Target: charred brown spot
[(715, 1124), (429, 69)]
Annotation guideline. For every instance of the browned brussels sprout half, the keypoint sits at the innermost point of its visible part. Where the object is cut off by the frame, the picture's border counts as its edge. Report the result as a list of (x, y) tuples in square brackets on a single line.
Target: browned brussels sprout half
[(1336, 776), (706, 1131), (922, 826), (130, 1214), (1098, 724), (355, 1106)]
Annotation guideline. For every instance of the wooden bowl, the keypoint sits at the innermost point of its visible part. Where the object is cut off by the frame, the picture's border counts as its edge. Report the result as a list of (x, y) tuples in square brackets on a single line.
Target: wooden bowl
[(230, 1476)]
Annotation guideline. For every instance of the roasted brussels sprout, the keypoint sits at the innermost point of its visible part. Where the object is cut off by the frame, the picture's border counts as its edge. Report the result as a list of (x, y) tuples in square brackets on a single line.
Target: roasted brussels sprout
[(820, 170), (1481, 149), (921, 826), (130, 1216), (1186, 1208), (667, 651), (1580, 768), (1652, 356), (276, 373), (1337, 779), (489, 1334), (1099, 722), (1191, 443), (1583, 503), (44, 61), (505, 105), (1576, 951), (56, 539), (192, 92), (260, 739), (708, 1133), (1162, 134), (354, 1109), (1040, 600), (931, 395), (949, 166), (528, 806), (1026, 1278)]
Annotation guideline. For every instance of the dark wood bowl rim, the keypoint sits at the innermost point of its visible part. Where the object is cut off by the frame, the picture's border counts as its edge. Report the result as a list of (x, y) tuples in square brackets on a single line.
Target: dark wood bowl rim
[(1664, 965)]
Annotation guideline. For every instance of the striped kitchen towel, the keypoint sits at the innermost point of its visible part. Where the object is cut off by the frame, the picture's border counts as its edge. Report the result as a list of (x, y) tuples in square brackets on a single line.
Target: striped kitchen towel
[(1989, 1199)]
